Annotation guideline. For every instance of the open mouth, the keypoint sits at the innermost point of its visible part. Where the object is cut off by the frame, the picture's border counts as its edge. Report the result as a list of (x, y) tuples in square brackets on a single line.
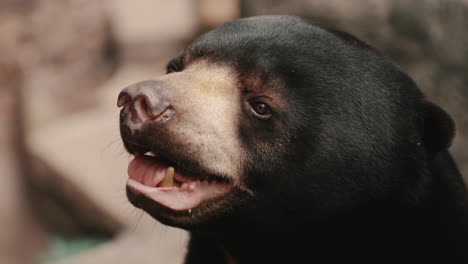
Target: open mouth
[(166, 185)]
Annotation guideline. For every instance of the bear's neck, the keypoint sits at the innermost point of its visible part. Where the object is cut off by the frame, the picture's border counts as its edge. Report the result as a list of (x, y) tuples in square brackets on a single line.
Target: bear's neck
[(432, 228)]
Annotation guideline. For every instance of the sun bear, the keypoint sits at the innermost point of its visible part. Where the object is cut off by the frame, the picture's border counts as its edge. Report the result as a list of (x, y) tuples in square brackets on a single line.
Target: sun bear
[(273, 140)]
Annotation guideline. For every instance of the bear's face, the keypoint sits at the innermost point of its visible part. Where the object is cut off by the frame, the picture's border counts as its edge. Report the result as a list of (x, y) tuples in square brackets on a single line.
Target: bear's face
[(216, 131), (195, 134), (269, 117)]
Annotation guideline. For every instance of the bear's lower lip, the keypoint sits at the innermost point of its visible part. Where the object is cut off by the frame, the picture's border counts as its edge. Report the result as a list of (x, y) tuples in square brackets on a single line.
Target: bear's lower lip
[(159, 182)]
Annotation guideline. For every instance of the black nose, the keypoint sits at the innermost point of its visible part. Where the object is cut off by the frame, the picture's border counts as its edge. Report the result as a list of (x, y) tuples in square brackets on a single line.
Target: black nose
[(145, 101)]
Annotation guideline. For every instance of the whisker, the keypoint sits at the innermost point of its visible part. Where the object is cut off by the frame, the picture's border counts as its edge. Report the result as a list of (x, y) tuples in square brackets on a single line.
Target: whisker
[(112, 142), (138, 221)]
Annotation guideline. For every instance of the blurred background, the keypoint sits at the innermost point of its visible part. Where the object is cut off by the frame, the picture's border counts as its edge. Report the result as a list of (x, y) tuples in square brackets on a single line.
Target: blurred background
[(63, 62)]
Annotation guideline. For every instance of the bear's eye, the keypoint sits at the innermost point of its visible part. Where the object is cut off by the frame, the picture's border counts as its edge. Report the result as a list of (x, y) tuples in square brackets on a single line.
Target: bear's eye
[(260, 109)]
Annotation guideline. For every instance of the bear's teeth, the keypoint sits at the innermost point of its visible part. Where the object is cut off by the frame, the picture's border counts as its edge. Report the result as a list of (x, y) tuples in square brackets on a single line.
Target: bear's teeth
[(150, 154), (169, 178), (191, 186)]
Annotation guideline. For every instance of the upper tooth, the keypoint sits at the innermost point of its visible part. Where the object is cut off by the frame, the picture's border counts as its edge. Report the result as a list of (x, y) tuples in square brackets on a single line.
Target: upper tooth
[(150, 153), (169, 178)]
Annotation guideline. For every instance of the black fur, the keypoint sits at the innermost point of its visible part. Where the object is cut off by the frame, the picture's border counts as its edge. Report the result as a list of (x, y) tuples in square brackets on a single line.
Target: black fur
[(353, 166)]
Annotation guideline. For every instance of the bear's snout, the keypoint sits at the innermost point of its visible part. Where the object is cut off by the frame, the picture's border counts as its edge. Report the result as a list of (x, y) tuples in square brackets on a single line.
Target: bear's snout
[(145, 102)]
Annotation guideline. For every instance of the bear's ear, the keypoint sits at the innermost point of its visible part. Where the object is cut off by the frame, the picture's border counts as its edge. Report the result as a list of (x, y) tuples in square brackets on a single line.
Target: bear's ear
[(437, 127)]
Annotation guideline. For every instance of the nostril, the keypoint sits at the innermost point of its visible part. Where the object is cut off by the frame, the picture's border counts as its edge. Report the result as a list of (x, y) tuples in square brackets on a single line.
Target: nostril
[(142, 109), (144, 102), (123, 99)]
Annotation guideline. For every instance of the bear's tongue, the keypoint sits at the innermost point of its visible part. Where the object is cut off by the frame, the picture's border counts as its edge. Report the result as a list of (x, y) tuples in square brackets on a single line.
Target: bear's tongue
[(160, 183)]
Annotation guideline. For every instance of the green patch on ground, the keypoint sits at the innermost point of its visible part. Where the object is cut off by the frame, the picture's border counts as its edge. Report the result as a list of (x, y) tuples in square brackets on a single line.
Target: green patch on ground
[(61, 247)]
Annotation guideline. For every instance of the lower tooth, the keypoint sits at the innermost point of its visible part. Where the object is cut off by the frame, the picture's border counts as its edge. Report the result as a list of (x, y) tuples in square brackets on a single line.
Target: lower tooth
[(191, 187), (169, 178)]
